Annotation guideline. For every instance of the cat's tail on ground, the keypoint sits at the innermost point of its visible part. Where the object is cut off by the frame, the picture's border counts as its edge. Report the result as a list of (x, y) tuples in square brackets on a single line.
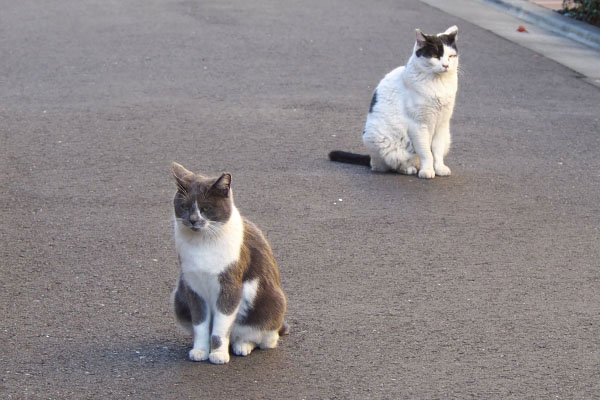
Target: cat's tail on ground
[(285, 329), (350, 158)]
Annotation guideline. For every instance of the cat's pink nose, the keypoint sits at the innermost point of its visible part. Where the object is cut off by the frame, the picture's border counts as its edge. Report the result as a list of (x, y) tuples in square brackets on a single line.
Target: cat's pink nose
[(446, 65)]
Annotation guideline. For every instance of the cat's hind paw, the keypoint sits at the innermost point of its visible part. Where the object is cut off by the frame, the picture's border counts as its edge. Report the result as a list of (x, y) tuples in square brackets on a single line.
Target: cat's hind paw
[(407, 170), (427, 173), (219, 357), (269, 340), (242, 349), (442, 170), (198, 355)]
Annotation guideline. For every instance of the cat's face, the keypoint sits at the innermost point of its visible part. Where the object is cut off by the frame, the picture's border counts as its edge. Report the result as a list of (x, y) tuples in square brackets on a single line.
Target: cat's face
[(438, 52), (201, 204)]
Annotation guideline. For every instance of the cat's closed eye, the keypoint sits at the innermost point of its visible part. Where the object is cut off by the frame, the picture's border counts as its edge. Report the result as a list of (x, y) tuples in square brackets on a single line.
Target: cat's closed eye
[(452, 56)]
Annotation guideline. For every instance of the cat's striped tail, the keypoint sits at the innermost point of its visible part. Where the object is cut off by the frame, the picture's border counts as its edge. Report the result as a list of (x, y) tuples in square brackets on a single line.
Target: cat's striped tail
[(350, 158)]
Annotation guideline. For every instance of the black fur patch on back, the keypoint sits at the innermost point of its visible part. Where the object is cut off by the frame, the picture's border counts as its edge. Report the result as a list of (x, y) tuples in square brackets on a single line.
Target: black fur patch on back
[(373, 101)]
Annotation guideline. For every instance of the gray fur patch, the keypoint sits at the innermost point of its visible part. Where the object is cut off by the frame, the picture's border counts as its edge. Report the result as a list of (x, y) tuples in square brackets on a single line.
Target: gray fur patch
[(215, 342), (197, 307), (269, 304), (230, 295), (189, 306)]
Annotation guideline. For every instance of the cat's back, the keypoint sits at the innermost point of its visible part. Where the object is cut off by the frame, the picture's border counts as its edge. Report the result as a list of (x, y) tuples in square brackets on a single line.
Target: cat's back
[(253, 235), (387, 103), (394, 74), (406, 90), (391, 83)]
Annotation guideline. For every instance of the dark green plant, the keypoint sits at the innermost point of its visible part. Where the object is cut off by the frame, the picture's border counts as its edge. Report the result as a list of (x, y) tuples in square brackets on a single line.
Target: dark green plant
[(583, 10)]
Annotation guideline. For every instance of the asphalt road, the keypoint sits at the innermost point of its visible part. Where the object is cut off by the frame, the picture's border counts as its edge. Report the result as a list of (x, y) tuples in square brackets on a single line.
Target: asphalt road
[(482, 285)]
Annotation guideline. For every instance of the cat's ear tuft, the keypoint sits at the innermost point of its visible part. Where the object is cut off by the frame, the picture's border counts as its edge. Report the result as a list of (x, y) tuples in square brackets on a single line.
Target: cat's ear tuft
[(421, 38), (223, 184), (179, 172), (452, 32)]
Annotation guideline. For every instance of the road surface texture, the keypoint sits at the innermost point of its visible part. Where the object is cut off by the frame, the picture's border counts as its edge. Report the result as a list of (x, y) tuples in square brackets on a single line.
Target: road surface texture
[(482, 285)]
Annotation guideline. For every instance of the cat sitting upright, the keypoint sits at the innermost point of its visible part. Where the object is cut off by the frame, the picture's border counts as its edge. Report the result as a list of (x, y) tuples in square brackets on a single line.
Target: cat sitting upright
[(229, 287), (408, 125)]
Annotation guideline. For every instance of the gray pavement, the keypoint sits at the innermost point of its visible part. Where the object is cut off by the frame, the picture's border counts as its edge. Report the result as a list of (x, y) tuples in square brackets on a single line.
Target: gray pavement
[(571, 43), (481, 285), (553, 21)]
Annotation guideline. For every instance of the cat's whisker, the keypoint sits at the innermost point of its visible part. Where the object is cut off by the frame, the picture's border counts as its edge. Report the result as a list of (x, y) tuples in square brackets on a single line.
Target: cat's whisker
[(213, 230), (208, 231)]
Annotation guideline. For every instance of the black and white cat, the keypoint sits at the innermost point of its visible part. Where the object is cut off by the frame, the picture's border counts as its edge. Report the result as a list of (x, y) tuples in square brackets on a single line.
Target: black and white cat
[(229, 288), (408, 125)]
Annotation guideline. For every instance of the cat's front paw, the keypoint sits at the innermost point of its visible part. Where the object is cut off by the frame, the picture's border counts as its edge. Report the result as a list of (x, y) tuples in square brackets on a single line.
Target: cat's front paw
[(198, 355), (427, 173), (219, 357), (442, 170), (242, 349)]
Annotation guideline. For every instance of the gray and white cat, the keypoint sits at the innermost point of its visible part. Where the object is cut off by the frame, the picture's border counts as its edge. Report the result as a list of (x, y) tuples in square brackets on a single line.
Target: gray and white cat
[(229, 288), (408, 125)]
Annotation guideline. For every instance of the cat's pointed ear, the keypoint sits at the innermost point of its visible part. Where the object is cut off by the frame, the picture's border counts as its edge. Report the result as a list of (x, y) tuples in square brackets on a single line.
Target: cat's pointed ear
[(179, 172), (223, 185), (421, 38), (452, 32)]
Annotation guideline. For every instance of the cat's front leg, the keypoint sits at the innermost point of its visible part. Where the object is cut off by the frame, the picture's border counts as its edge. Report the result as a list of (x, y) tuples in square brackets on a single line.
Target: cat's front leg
[(224, 316), (200, 325), (421, 140), (201, 348), (440, 146), (219, 339)]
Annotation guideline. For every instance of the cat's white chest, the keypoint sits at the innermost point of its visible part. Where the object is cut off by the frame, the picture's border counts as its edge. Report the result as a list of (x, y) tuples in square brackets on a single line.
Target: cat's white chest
[(203, 262), (438, 93), (205, 284), (200, 255), (208, 258), (445, 92)]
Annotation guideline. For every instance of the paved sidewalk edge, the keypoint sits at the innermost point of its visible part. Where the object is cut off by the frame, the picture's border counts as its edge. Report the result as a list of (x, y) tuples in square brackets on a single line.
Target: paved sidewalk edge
[(573, 29)]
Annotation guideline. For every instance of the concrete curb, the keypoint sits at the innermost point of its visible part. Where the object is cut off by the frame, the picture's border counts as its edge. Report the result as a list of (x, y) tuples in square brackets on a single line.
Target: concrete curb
[(576, 30), (584, 58)]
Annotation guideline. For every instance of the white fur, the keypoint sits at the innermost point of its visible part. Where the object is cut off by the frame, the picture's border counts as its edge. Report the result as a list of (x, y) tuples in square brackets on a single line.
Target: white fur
[(409, 126), (245, 338), (203, 257), (222, 324), (201, 348), (249, 291), (201, 252)]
